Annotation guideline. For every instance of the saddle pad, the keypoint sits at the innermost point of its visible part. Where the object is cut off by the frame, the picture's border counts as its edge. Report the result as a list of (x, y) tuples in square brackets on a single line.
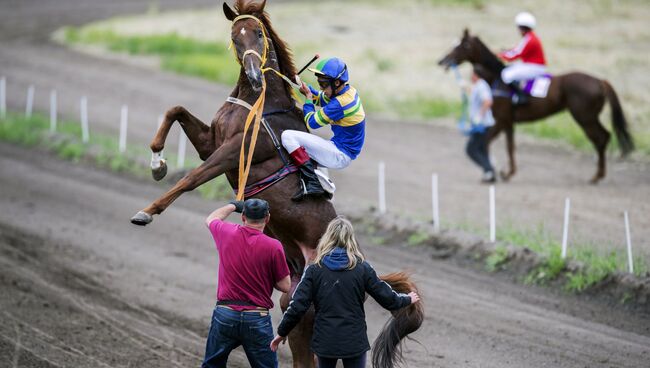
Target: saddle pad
[(538, 87), (324, 180)]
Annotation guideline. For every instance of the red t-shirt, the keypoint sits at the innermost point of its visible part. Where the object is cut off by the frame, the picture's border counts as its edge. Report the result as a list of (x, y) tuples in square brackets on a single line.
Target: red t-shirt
[(250, 264)]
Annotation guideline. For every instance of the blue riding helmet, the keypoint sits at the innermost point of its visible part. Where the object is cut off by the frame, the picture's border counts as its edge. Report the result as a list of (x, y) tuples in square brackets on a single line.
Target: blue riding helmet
[(332, 68)]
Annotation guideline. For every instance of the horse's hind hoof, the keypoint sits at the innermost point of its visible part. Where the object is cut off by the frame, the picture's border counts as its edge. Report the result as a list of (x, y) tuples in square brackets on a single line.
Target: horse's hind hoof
[(141, 218), (159, 172)]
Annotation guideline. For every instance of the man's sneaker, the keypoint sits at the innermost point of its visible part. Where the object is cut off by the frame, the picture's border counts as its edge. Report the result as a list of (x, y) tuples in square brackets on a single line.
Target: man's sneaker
[(489, 177)]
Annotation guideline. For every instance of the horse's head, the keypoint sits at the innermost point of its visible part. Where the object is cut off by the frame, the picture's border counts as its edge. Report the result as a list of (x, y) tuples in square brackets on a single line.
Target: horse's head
[(465, 50), (251, 44)]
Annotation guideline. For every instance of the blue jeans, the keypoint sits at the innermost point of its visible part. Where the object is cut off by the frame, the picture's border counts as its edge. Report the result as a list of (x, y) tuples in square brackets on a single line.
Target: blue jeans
[(230, 329), (354, 362), (477, 150)]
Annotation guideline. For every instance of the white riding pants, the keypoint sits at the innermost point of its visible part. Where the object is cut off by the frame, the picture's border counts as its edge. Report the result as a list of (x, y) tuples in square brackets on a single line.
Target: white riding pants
[(521, 72), (322, 151)]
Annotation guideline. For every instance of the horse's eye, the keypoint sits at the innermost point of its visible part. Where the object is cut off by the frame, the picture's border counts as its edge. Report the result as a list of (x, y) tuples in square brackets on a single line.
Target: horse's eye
[(260, 34)]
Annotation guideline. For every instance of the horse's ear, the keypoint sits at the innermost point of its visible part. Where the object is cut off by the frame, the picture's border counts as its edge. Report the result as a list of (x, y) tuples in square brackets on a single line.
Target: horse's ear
[(465, 33), (263, 5), (229, 13)]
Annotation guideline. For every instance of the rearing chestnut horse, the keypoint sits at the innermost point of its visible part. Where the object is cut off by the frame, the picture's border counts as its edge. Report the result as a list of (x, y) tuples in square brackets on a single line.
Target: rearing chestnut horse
[(582, 94), (298, 226)]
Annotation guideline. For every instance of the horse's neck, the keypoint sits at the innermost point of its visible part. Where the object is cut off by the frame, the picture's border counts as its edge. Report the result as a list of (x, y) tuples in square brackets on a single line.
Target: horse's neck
[(488, 60)]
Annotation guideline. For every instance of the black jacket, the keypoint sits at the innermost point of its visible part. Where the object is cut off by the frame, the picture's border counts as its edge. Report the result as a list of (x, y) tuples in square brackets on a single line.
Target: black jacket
[(338, 296)]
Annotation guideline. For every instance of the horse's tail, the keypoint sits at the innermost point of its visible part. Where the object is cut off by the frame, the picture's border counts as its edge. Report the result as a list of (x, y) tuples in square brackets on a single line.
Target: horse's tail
[(623, 136), (387, 348)]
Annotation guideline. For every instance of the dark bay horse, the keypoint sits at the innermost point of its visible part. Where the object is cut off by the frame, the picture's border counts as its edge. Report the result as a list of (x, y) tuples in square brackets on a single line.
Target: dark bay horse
[(583, 95), (298, 226)]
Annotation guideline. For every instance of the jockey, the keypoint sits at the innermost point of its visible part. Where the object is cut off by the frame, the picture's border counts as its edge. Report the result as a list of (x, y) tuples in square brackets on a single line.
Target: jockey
[(530, 51), (341, 109)]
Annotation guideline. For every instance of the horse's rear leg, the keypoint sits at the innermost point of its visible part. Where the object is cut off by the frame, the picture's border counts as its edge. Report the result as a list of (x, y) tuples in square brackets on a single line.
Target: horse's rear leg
[(585, 112), (300, 337), (196, 131), (599, 137)]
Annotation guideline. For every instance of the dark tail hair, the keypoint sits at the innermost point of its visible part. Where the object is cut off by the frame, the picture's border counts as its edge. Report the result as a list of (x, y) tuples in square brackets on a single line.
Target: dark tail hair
[(387, 348), (623, 136)]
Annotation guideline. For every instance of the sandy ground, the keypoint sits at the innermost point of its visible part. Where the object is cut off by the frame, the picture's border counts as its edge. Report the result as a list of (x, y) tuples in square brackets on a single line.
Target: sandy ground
[(82, 287)]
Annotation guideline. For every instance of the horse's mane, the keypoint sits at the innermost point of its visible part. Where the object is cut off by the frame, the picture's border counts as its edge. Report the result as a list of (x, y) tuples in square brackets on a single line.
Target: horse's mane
[(282, 50), (488, 59)]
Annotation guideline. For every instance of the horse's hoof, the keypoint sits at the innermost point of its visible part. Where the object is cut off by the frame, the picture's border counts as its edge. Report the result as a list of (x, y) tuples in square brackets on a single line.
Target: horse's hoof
[(504, 176), (159, 172), (595, 180), (141, 218)]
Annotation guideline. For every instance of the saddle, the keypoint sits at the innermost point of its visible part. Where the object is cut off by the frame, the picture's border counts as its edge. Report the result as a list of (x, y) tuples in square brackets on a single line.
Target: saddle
[(535, 87)]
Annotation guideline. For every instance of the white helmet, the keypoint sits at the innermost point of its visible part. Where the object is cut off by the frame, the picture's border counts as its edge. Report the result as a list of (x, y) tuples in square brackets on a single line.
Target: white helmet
[(525, 19)]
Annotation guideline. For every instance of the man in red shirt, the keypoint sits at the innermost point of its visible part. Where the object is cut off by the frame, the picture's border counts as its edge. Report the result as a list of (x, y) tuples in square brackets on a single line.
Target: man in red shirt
[(251, 264), (529, 50)]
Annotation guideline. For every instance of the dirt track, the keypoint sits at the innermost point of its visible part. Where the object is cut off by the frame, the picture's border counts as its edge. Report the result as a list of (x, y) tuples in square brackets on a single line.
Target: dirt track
[(83, 287)]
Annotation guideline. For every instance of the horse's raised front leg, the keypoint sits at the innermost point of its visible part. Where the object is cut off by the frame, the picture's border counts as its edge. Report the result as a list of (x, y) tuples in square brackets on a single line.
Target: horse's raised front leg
[(196, 131), (510, 145), (222, 160)]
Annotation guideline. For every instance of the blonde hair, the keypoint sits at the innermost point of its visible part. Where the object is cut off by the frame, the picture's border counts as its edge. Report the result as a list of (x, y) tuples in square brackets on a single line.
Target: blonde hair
[(340, 234)]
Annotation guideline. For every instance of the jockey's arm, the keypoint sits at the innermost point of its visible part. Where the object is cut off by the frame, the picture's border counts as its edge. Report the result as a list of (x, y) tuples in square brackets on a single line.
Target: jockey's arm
[(330, 113)]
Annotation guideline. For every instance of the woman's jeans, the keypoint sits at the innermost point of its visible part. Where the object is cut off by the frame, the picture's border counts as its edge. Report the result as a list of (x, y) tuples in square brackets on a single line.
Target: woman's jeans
[(354, 362), (477, 150), (230, 329)]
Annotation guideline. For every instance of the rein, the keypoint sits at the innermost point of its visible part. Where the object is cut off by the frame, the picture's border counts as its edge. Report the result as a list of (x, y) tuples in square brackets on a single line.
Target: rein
[(257, 110)]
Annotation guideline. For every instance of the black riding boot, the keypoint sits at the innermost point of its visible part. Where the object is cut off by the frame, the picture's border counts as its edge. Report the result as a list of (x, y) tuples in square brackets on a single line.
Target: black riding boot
[(520, 97), (309, 184)]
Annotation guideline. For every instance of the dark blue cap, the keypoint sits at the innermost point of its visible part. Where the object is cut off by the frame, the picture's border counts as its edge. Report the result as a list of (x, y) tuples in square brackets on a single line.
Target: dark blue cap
[(256, 209)]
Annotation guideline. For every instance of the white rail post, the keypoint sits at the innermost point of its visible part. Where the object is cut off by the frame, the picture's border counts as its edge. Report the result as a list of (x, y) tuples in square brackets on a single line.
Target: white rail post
[(53, 111), (493, 220), (83, 109), (3, 97), (630, 259), (123, 127), (435, 203), (565, 232), (382, 187), (182, 143), (30, 102)]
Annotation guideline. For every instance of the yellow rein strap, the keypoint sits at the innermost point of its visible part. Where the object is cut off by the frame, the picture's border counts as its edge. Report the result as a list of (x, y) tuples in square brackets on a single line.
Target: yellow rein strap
[(256, 111)]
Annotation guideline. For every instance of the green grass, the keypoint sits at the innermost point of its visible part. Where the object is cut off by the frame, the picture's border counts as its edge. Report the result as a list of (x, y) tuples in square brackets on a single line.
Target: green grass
[(417, 238), (597, 265), (101, 150), (497, 259), (425, 107), (207, 60)]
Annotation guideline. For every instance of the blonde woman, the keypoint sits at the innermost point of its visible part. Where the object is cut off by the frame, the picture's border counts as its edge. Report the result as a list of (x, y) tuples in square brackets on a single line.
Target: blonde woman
[(337, 283)]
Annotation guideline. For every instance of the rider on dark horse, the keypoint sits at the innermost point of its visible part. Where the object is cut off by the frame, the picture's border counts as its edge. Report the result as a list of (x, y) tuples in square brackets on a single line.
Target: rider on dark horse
[(342, 109), (530, 51)]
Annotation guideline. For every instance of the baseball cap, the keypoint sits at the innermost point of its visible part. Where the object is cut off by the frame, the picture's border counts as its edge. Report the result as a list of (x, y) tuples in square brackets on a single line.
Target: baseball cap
[(256, 209)]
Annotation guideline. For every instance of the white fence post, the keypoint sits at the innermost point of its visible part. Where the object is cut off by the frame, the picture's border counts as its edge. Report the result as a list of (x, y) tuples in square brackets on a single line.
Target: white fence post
[(123, 127), (565, 232), (182, 142), (30, 102), (83, 108), (435, 203), (3, 97), (382, 187), (493, 220), (630, 260), (53, 111)]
